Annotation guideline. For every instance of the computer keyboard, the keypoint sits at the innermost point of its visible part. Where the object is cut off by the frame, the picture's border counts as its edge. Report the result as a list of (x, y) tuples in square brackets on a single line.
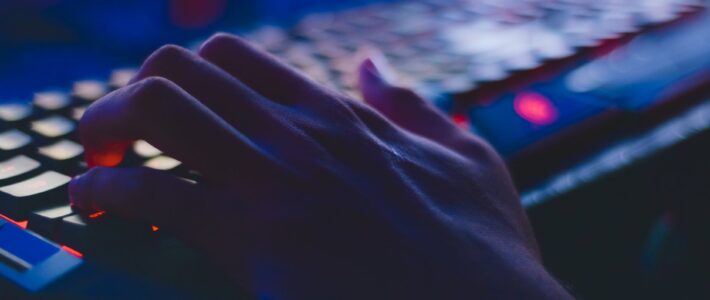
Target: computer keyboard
[(40, 153), (511, 71), (514, 72)]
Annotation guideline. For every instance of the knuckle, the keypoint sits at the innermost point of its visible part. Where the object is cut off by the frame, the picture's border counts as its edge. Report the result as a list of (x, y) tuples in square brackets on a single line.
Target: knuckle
[(154, 84), (481, 150), (165, 55), (216, 42), (403, 95), (149, 94)]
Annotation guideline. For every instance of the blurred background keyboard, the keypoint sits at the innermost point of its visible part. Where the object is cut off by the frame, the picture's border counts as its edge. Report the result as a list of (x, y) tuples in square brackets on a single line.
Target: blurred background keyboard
[(600, 109)]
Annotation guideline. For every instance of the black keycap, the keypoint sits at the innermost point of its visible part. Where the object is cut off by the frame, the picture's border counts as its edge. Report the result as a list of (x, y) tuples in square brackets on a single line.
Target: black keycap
[(15, 112), (47, 221), (62, 150), (62, 155), (145, 150), (53, 126), (13, 168), (51, 100), (78, 112), (121, 77), (17, 200), (94, 232), (163, 163), (13, 141), (89, 90)]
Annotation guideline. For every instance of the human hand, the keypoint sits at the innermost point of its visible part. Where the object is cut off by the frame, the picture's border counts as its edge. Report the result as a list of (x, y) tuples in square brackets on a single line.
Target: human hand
[(308, 194)]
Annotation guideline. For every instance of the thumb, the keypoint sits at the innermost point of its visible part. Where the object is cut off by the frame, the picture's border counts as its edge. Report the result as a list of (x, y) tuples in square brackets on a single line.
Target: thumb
[(141, 194)]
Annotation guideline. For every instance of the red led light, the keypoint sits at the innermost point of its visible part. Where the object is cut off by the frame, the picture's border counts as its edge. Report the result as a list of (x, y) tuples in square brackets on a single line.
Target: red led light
[(72, 251), (97, 214), (460, 120), (535, 108), (154, 228)]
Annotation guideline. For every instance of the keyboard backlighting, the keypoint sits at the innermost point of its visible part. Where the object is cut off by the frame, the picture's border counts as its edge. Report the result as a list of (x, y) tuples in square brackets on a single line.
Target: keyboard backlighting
[(97, 214), (72, 251)]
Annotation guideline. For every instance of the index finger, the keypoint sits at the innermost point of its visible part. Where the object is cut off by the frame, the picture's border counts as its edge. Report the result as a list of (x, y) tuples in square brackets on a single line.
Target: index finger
[(158, 111)]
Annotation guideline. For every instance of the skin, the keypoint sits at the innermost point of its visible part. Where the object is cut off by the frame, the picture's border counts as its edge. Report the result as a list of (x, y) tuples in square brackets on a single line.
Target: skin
[(308, 194)]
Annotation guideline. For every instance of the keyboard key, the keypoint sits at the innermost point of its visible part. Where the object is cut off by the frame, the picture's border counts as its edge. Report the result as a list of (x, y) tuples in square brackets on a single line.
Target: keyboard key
[(81, 167), (488, 72), (17, 166), (16, 200), (164, 163), (51, 100), (78, 112), (52, 127), (89, 233), (145, 150), (14, 140), (47, 221), (89, 90), (121, 77), (62, 150), (14, 112)]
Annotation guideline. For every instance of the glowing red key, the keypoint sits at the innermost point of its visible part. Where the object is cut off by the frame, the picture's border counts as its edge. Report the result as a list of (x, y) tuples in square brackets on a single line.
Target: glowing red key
[(535, 108)]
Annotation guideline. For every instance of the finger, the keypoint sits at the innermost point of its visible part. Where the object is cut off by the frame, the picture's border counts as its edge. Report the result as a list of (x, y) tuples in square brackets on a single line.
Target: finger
[(219, 91), (142, 194), (405, 108), (161, 113), (261, 71)]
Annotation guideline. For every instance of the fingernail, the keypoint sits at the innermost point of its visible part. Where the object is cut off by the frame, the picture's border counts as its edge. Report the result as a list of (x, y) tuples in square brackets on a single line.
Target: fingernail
[(372, 69), (377, 72)]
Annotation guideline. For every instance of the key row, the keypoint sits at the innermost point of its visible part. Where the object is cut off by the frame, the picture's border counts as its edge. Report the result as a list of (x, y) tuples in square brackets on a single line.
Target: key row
[(86, 233), (81, 95)]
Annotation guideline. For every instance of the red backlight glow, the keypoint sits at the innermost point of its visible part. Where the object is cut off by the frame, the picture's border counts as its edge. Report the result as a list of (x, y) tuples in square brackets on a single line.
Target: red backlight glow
[(535, 108), (460, 120), (72, 251), (21, 224), (97, 214)]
